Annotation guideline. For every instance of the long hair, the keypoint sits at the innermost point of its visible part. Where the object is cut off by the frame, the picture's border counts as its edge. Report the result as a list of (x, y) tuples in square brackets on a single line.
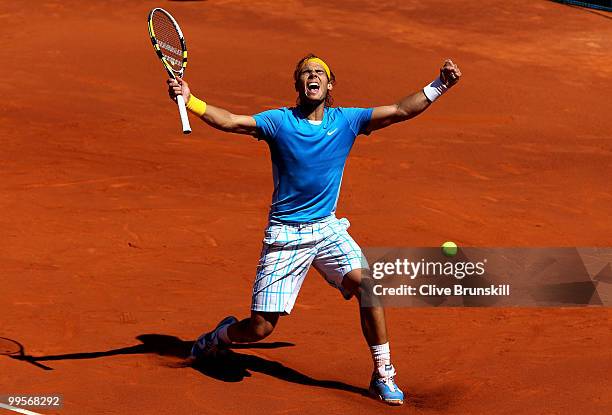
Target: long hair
[(329, 100)]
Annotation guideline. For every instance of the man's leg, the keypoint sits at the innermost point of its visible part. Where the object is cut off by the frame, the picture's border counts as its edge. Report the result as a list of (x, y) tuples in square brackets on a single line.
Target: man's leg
[(373, 323), (253, 329), (374, 329), (286, 255), (257, 327), (342, 263)]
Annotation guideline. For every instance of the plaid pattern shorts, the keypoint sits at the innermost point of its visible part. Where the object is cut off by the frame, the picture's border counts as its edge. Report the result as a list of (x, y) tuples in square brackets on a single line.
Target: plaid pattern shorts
[(289, 249)]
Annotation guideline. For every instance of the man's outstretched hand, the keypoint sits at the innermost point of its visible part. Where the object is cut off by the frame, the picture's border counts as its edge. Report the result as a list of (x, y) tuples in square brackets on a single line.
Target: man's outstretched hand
[(450, 73)]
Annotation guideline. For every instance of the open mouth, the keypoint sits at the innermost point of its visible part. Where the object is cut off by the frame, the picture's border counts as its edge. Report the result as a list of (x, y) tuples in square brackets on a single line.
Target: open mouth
[(312, 87)]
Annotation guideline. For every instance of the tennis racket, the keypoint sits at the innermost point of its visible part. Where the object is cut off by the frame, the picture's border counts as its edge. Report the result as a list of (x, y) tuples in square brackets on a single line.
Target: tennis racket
[(169, 44)]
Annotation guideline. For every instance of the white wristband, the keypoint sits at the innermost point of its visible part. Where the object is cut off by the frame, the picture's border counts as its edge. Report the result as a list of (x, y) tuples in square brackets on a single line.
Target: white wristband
[(434, 90)]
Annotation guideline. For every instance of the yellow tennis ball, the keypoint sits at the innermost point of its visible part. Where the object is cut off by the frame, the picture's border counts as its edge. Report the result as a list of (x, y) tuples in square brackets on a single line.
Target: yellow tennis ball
[(449, 248)]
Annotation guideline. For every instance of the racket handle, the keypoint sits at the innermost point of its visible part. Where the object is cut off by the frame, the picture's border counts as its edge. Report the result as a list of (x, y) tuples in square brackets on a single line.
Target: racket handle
[(180, 101)]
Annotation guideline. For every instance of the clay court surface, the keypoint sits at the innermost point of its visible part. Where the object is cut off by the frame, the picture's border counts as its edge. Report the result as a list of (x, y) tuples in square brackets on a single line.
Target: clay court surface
[(122, 239)]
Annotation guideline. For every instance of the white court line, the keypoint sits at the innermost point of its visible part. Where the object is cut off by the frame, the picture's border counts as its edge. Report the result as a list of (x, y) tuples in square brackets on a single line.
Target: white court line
[(18, 410)]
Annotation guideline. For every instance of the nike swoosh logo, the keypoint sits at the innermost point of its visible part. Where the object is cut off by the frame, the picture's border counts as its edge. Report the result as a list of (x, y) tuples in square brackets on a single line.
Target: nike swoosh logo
[(332, 131)]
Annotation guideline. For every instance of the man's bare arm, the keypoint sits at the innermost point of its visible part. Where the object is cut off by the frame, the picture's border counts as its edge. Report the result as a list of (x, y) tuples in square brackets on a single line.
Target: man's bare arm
[(407, 108), (224, 120), (216, 117), (412, 105)]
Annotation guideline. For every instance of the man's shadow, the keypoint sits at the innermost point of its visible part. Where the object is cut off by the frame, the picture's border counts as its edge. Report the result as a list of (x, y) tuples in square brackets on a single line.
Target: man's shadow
[(230, 366), (233, 366)]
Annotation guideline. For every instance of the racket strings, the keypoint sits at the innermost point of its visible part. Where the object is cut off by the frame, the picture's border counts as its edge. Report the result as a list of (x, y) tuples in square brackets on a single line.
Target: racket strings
[(168, 39)]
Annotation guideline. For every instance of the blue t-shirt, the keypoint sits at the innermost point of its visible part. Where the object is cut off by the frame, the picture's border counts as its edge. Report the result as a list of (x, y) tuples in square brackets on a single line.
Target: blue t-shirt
[(308, 160)]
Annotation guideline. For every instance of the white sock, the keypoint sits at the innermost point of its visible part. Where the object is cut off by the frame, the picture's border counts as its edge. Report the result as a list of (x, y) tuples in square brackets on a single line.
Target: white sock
[(222, 334), (381, 355)]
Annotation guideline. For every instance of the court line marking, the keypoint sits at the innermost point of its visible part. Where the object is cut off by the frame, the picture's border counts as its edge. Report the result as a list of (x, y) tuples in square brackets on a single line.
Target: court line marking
[(18, 410), (76, 182)]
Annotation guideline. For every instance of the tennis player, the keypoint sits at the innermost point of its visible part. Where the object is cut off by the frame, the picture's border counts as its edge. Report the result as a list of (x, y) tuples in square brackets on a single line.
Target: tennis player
[(309, 145)]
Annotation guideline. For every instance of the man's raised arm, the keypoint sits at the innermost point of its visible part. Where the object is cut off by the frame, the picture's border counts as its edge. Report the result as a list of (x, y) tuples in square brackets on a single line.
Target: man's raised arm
[(216, 117), (414, 104)]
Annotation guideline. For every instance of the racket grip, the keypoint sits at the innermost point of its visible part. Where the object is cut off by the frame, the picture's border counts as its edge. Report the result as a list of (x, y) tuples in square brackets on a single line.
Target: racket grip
[(180, 101)]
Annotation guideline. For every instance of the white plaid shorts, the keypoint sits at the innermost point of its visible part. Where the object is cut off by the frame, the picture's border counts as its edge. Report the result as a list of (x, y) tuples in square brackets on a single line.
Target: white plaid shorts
[(289, 249)]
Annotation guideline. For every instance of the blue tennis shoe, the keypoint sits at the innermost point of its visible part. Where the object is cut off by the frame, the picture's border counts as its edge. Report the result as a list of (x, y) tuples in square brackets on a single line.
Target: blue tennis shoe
[(383, 387)]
